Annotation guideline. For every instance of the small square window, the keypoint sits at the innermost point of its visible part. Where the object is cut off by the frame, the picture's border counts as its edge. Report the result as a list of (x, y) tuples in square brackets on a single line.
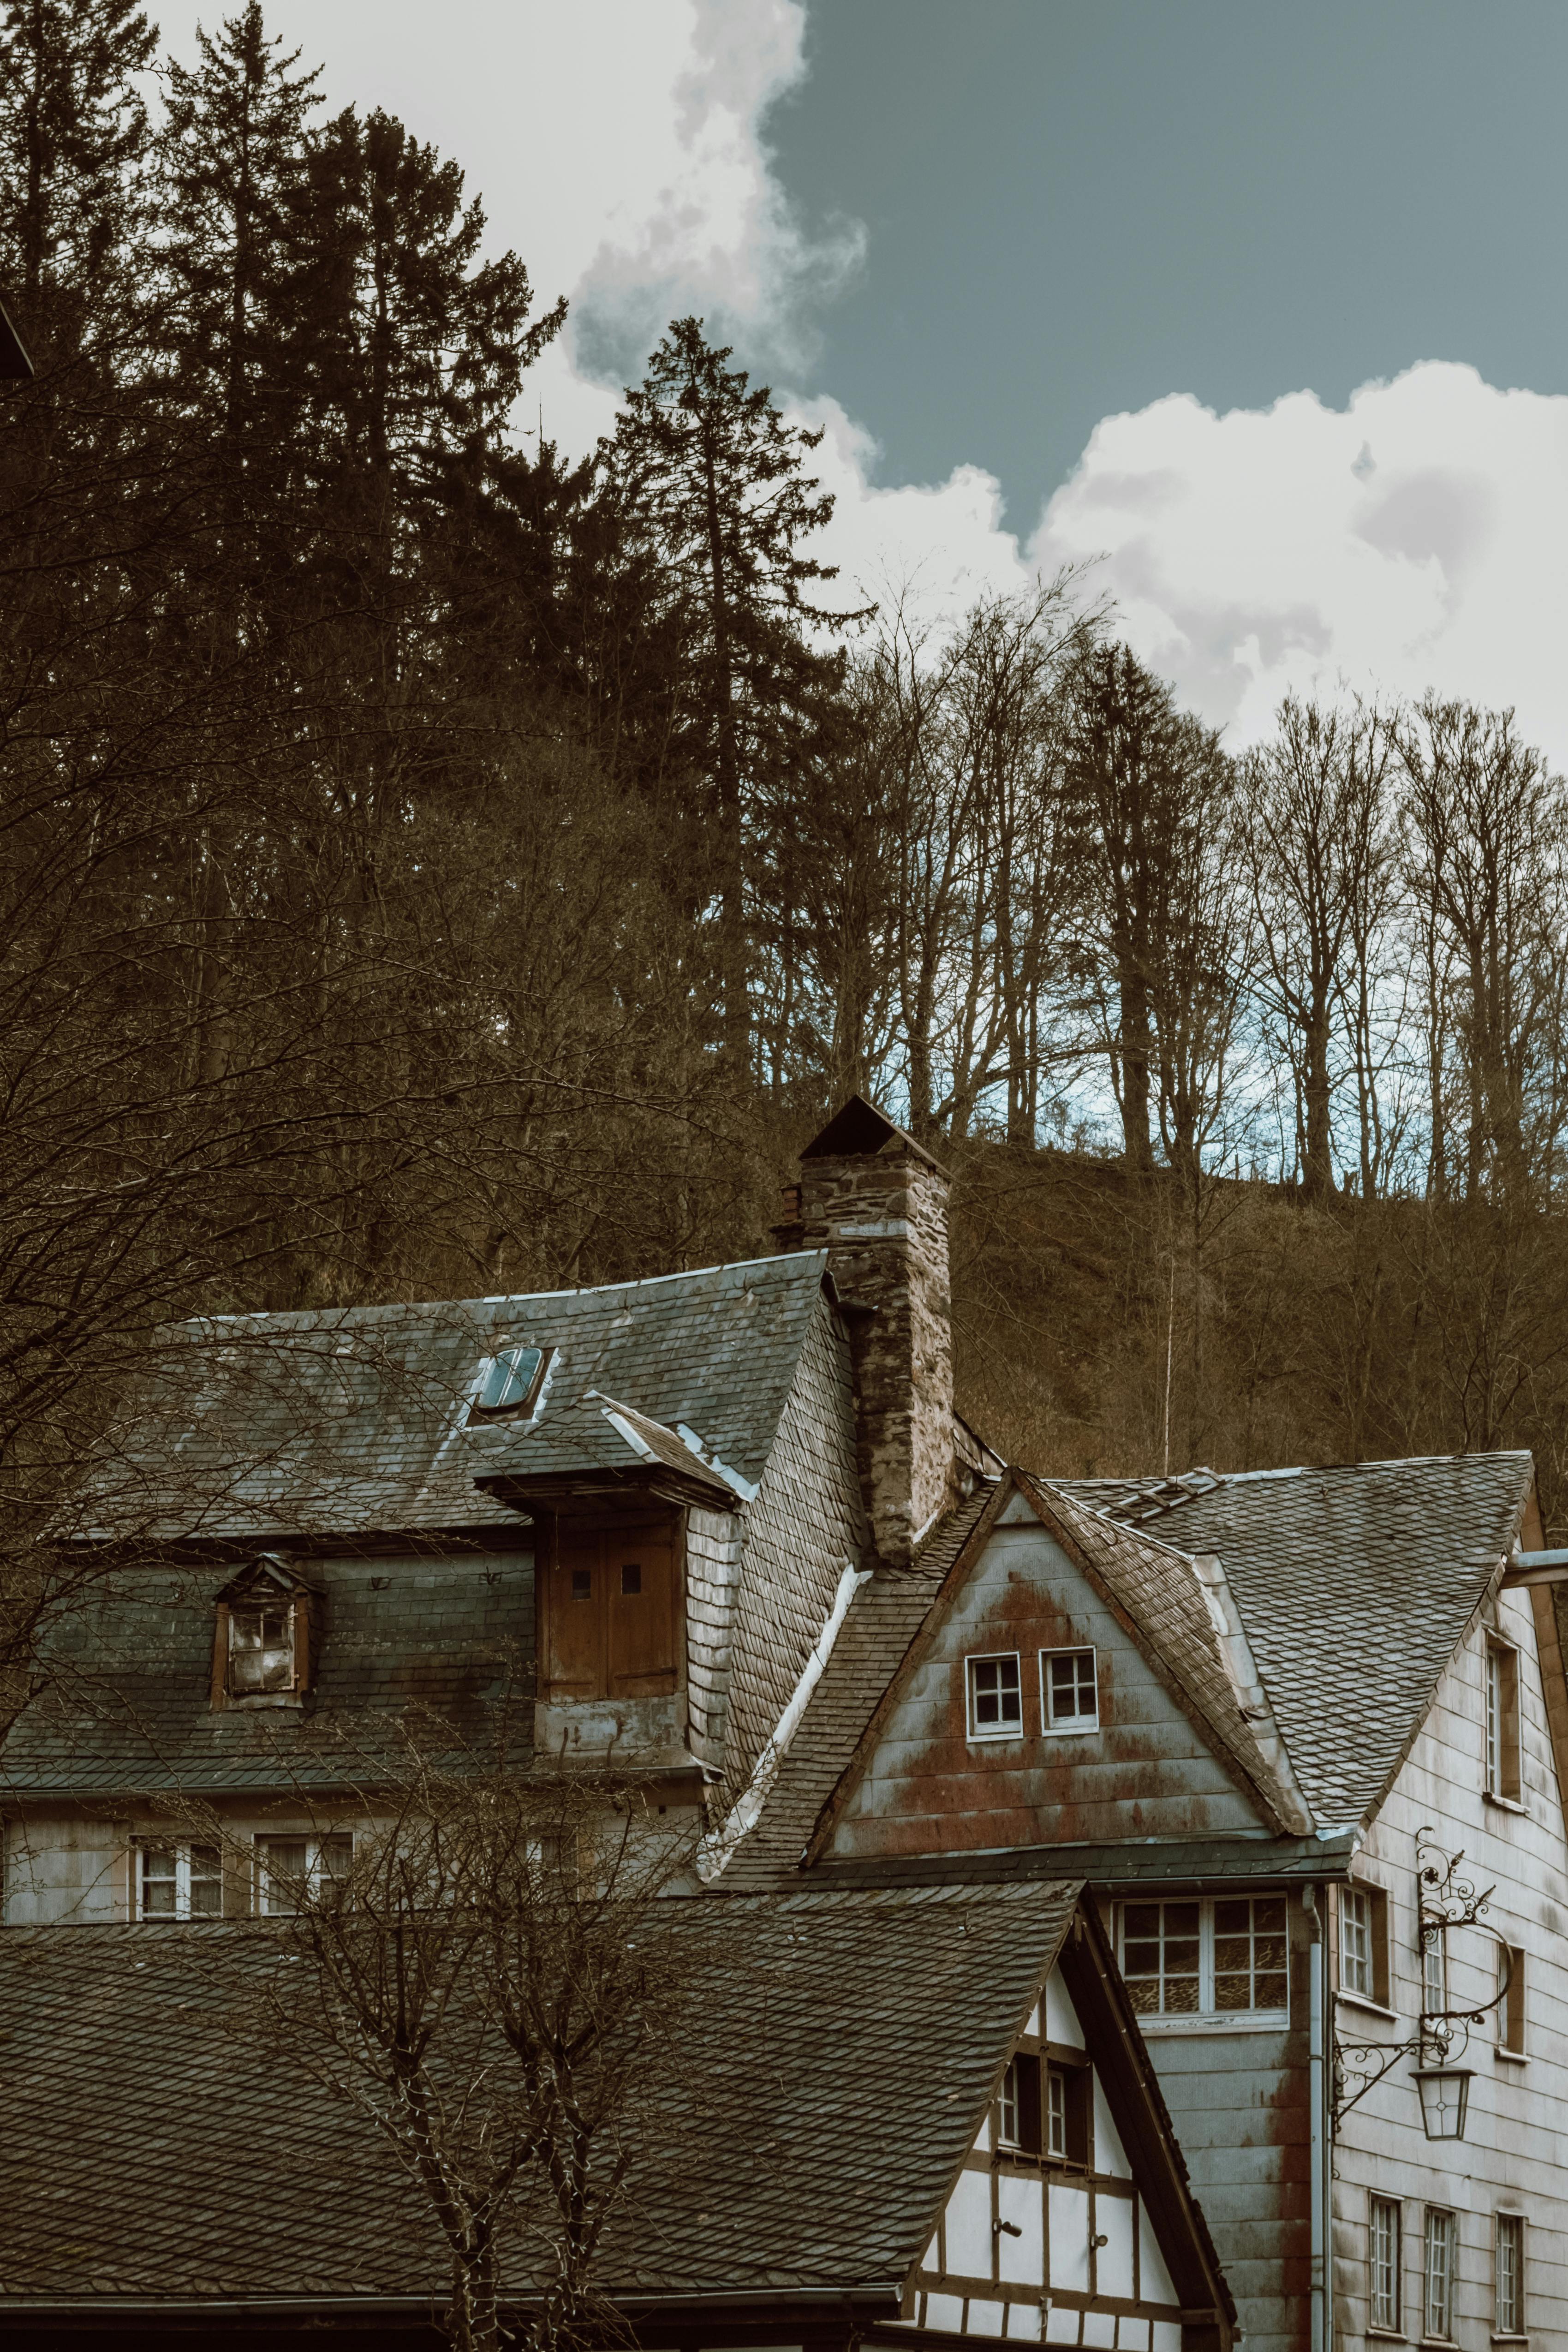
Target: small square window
[(631, 1576), (1070, 1692), (995, 1697), (582, 1584)]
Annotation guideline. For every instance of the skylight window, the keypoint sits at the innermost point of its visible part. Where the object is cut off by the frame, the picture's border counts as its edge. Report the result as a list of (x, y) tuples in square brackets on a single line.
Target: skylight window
[(510, 1383)]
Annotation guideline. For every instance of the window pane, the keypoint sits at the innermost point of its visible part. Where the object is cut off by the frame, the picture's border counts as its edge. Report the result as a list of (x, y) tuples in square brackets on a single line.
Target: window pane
[(509, 1378), (1435, 1973), (207, 1882), (1160, 1958), (1386, 2263), (582, 1584), (1509, 2274), (1056, 2111), (283, 1863), (335, 1856), (631, 1576), (158, 1882), (1010, 2104), (1071, 1695), (261, 1650), (1439, 2270), (1249, 1969), (995, 1693)]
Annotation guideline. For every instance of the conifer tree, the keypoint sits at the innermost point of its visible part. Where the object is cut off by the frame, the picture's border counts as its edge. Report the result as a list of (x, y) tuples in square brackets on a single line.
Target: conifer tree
[(73, 151), (703, 470)]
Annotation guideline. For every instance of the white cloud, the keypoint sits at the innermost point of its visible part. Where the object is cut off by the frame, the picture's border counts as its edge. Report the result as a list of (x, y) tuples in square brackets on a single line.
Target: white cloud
[(1413, 538)]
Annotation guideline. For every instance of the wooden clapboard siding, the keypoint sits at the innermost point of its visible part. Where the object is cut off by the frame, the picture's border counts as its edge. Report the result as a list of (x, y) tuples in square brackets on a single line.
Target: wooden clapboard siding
[(1512, 2154), (1148, 1772)]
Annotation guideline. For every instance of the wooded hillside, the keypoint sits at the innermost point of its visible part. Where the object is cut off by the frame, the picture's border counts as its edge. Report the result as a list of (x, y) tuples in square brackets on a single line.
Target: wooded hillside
[(430, 865)]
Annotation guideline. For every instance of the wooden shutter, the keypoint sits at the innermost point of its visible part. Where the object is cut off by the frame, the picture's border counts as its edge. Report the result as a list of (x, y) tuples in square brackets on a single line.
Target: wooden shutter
[(574, 1618), (220, 1683), (641, 1613)]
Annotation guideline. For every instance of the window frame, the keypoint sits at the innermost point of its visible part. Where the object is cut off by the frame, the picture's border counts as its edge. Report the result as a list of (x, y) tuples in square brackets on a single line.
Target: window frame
[(1392, 2209), (1509, 2226), (1510, 2008), (1081, 1726), (1449, 2234), (1503, 1768), (1375, 1992), (313, 1842), (517, 1408), (183, 1849), (977, 1733), (1207, 2017), (1434, 1988)]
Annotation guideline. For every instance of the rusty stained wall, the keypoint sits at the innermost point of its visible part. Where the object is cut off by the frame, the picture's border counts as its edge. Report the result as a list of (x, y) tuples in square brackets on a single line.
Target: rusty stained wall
[(1146, 1773), (883, 1218)]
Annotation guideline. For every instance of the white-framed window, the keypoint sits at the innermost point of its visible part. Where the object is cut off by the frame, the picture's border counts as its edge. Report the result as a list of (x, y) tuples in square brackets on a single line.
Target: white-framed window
[(1068, 1691), (994, 1696), (1438, 2274), (179, 1882), (1502, 1775), (1508, 2274), (1224, 1955), (1384, 2302), (1363, 1942), (291, 1867), (1055, 2112)]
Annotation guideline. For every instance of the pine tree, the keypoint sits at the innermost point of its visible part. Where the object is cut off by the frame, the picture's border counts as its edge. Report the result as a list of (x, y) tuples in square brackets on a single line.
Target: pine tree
[(74, 143), (704, 473)]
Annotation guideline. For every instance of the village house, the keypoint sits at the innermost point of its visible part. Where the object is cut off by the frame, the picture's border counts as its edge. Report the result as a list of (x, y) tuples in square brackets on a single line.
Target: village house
[(724, 1534)]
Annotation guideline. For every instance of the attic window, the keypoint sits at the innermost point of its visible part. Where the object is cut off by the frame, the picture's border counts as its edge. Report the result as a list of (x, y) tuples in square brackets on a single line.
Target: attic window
[(509, 1383), (261, 1650), (995, 1696)]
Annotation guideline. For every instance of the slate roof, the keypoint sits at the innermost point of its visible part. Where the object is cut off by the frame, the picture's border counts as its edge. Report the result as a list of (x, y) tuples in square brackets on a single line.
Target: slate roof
[(1355, 1584), (127, 1709), (356, 1419), (883, 1619), (1160, 1592), (834, 2055)]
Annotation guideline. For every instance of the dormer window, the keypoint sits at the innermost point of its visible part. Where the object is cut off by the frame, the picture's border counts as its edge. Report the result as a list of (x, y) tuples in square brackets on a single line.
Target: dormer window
[(509, 1383), (262, 1645), (261, 1650)]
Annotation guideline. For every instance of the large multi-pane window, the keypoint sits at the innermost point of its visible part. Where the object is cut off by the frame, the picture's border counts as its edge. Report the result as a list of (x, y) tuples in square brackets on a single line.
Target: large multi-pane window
[(1509, 2279), (1386, 2263), (179, 1882), (1204, 1958), (1437, 2269)]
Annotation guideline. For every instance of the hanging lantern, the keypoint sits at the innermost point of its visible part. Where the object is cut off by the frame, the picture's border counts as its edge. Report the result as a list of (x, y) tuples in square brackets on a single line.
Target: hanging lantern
[(1445, 2093)]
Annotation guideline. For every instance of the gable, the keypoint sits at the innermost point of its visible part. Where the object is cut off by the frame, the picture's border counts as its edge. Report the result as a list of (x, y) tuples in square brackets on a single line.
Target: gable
[(1043, 2244), (924, 1784)]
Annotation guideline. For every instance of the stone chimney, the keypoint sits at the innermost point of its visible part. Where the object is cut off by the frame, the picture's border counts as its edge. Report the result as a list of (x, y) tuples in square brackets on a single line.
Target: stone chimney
[(878, 1203)]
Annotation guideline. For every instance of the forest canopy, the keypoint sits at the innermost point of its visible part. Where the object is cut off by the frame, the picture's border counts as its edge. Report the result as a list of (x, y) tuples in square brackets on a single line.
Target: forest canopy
[(431, 862)]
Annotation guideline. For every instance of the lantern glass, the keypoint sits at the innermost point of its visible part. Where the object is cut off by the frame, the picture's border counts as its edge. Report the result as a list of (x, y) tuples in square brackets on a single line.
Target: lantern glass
[(1445, 2099)]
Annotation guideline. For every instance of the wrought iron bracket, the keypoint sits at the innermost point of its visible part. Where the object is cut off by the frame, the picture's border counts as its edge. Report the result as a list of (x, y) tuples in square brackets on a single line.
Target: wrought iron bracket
[(1443, 1900)]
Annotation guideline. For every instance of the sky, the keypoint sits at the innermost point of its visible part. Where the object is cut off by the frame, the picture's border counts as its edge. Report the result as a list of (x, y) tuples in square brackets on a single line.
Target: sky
[(1254, 312)]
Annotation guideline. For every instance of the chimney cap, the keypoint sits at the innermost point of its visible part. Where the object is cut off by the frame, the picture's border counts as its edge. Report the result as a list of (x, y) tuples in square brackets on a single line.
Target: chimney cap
[(858, 1131)]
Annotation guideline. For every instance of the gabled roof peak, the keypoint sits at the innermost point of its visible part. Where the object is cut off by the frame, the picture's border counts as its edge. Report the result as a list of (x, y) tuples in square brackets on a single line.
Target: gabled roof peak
[(859, 1131)]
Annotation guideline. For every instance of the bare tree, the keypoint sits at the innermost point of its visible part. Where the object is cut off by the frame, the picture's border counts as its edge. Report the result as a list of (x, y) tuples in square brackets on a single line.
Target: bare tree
[(485, 1975)]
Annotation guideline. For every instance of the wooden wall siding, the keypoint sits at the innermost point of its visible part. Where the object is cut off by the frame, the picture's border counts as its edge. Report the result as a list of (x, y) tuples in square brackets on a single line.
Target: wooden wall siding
[(1052, 2282), (713, 1579), (63, 1867), (805, 1525), (1146, 1773), (1512, 2154)]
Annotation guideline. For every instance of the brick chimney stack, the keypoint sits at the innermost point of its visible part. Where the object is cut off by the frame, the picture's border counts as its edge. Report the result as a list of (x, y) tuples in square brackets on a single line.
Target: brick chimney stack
[(877, 1202)]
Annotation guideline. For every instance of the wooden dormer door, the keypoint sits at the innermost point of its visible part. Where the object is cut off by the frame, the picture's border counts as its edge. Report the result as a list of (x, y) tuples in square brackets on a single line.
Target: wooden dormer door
[(612, 1618)]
